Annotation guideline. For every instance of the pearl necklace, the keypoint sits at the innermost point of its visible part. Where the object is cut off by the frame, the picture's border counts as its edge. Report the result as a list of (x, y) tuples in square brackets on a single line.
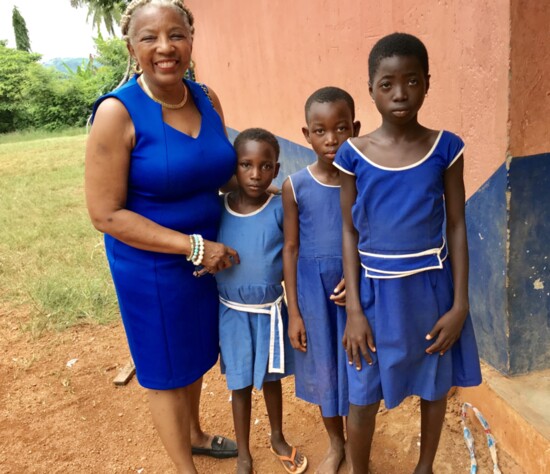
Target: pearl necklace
[(164, 104)]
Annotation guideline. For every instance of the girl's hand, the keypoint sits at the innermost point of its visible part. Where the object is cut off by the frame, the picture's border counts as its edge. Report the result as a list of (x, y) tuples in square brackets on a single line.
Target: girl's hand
[(339, 294), (217, 257), (357, 338), (297, 333), (447, 331)]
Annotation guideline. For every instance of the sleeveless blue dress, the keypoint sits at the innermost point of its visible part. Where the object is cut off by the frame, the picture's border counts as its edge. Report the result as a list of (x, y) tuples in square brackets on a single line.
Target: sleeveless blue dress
[(407, 286), (320, 371), (170, 317), (254, 346)]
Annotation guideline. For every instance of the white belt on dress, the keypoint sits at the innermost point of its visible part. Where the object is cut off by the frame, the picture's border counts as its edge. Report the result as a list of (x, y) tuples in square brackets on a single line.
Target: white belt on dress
[(274, 311), (378, 265)]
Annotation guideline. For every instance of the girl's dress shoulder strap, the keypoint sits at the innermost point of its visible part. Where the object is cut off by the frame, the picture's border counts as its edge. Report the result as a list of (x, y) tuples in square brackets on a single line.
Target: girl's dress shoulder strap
[(452, 145)]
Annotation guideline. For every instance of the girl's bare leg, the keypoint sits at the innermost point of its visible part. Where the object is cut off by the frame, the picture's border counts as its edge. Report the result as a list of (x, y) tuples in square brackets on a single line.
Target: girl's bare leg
[(273, 395), (432, 417), (336, 451), (242, 405), (360, 425)]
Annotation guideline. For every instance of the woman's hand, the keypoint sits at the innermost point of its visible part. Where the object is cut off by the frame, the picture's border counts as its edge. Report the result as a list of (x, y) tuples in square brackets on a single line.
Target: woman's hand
[(358, 339), (446, 330), (338, 296), (217, 257)]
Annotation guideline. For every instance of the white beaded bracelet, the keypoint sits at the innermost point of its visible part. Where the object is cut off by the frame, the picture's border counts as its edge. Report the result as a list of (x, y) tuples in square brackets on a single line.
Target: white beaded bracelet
[(198, 250)]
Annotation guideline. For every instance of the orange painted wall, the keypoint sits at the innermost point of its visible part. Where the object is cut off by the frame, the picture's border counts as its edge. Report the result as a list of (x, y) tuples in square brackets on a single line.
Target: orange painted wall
[(530, 78), (264, 58)]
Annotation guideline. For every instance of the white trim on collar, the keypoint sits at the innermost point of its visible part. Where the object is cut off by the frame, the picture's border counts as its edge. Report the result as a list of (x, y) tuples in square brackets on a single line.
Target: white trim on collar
[(250, 214), (401, 168), (322, 184)]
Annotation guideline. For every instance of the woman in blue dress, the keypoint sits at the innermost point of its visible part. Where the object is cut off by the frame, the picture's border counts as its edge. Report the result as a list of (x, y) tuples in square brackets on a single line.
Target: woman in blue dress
[(156, 155), (408, 329)]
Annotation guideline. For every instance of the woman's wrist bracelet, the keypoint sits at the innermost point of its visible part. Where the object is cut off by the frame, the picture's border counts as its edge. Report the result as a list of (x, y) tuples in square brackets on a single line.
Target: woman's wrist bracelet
[(197, 255), (191, 248)]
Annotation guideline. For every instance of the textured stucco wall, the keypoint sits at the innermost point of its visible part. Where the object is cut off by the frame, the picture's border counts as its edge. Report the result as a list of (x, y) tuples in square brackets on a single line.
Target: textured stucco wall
[(264, 58), (490, 67), (528, 282), (530, 78)]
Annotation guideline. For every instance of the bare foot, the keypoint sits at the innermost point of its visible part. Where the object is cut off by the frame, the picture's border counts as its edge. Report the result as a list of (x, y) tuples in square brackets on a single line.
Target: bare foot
[(244, 466), (423, 469), (332, 460)]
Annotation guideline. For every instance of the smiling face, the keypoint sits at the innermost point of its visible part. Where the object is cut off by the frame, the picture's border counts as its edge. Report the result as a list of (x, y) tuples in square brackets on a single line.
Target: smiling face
[(398, 88), (257, 167), (160, 40), (329, 125)]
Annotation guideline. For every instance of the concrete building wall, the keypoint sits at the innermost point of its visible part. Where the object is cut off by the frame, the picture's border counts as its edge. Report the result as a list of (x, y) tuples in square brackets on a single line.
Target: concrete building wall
[(489, 62), (529, 78), (264, 58)]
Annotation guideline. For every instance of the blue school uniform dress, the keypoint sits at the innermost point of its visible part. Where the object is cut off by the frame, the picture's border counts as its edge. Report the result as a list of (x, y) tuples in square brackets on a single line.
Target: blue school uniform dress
[(253, 319), (170, 317), (407, 282), (321, 370)]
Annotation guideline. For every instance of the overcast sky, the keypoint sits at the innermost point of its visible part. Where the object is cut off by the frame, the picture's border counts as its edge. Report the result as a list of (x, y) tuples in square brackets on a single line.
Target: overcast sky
[(55, 28)]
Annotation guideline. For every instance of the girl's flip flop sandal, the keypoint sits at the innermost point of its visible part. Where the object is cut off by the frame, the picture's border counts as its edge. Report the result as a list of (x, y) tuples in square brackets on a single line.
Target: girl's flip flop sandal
[(294, 468)]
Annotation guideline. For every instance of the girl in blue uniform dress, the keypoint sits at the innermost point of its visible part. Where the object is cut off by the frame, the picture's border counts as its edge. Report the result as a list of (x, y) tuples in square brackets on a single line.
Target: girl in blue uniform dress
[(313, 266), (408, 330), (253, 320)]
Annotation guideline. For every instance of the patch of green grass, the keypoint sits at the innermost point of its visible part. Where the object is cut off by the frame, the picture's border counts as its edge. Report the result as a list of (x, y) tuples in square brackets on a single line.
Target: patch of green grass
[(50, 255), (28, 135)]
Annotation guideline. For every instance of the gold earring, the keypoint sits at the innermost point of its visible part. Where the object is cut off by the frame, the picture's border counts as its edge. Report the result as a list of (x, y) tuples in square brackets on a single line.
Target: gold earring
[(137, 68)]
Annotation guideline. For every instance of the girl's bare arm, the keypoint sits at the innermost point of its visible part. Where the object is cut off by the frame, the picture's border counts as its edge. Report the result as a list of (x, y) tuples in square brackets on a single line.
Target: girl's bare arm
[(296, 328), (447, 330), (357, 335)]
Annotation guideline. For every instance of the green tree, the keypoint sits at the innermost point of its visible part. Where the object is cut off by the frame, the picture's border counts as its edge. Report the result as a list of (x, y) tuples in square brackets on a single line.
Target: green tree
[(107, 12), (112, 58), (14, 70), (22, 42), (57, 100)]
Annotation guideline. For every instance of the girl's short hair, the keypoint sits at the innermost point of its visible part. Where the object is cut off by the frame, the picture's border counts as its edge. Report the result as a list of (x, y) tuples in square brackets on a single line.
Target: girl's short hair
[(398, 44), (257, 135), (330, 94)]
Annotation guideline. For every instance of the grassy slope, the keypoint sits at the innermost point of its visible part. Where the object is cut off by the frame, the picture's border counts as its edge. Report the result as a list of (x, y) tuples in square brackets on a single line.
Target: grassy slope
[(50, 255)]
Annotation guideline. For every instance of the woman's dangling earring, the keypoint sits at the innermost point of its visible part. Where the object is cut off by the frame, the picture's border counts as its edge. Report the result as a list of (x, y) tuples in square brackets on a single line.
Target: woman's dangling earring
[(137, 68)]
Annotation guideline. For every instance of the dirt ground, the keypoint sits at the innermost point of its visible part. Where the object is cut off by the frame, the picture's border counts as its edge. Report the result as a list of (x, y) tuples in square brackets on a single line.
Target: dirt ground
[(60, 419)]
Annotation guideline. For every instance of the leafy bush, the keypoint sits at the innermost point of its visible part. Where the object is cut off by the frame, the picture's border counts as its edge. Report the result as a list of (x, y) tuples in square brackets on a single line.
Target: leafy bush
[(14, 67), (35, 96)]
